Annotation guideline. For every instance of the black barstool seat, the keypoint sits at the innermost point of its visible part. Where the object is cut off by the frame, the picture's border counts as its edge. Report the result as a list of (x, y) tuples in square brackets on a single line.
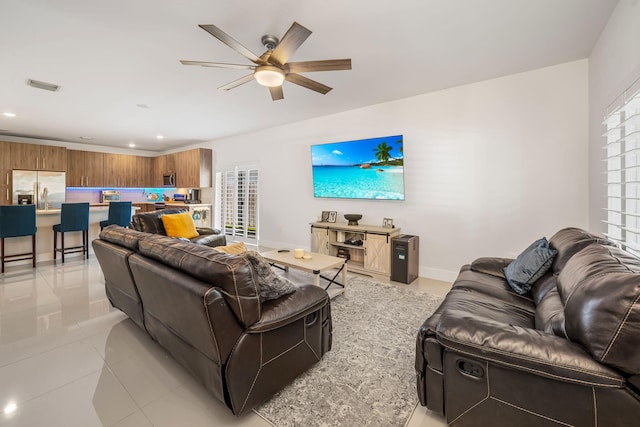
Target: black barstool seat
[(119, 214), (73, 217), (17, 221)]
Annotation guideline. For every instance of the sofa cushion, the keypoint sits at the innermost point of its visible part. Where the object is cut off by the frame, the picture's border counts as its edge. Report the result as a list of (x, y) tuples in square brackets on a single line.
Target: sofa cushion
[(179, 225), (122, 236), (569, 241), (550, 314), (484, 285), (233, 275), (542, 286), (150, 222), (272, 285), (529, 266), (491, 265), (600, 289)]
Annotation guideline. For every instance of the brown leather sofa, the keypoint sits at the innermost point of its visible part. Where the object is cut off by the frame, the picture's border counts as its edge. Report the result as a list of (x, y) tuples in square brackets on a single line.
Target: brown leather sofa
[(204, 307), (565, 353), (151, 222)]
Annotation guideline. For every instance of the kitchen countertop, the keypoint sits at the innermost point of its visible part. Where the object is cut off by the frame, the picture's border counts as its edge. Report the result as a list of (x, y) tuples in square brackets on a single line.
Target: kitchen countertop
[(94, 207), (197, 205), (133, 203)]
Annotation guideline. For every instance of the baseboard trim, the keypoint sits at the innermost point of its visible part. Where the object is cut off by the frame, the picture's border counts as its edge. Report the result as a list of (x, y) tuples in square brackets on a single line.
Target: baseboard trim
[(438, 274)]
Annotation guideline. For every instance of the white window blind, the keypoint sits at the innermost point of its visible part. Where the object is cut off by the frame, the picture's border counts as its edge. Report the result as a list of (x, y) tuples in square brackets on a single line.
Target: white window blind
[(622, 123), (237, 203)]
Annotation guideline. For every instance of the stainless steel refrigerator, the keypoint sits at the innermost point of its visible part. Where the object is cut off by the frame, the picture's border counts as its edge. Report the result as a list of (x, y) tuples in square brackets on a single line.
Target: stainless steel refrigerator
[(44, 189)]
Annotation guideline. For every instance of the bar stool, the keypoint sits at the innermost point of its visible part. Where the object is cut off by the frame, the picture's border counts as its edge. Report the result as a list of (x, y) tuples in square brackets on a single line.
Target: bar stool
[(16, 221), (119, 213), (73, 217)]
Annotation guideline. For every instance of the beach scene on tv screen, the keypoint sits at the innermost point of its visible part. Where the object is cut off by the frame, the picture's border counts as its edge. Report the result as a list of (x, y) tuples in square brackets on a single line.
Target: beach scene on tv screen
[(363, 169)]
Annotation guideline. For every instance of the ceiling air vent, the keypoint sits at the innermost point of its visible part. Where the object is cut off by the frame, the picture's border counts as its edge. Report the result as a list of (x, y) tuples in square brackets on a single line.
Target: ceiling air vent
[(43, 85)]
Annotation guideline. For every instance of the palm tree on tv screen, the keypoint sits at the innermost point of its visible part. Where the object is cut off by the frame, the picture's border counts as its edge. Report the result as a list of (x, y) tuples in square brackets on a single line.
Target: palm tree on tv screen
[(382, 152)]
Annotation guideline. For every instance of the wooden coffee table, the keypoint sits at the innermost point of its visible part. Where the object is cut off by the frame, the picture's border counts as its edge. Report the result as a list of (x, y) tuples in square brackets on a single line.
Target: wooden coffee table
[(318, 264)]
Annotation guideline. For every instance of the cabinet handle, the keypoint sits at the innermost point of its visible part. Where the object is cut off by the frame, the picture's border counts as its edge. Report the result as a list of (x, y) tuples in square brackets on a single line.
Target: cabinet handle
[(44, 163), (87, 181), (37, 162), (7, 194)]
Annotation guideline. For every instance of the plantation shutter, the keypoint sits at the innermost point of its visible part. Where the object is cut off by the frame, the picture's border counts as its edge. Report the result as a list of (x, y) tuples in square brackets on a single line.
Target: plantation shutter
[(622, 123), (237, 203)]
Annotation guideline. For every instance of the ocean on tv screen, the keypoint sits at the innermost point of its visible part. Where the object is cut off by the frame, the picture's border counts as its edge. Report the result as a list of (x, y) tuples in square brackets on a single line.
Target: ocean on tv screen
[(353, 182), (362, 169)]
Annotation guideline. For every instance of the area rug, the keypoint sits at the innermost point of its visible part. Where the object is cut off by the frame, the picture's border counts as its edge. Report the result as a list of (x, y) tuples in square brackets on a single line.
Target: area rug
[(368, 377)]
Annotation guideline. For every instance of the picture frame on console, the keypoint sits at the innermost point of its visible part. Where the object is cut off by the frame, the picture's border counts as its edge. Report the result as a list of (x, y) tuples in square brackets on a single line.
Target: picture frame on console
[(328, 216), (387, 222)]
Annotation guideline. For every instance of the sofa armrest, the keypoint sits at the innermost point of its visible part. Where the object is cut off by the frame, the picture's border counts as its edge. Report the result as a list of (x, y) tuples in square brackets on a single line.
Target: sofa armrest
[(207, 230), (289, 308), (490, 265), (524, 349), (211, 240)]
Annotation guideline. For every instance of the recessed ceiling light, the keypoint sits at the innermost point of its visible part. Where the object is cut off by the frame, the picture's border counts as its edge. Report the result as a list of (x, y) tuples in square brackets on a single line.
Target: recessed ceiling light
[(10, 408), (86, 138), (6, 113), (132, 145), (142, 106), (159, 137)]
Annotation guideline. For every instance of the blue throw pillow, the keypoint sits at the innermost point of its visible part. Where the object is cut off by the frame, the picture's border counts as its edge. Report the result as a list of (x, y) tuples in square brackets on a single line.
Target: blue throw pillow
[(530, 265)]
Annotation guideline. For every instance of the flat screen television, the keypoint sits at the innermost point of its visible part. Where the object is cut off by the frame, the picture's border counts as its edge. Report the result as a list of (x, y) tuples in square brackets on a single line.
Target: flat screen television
[(360, 169)]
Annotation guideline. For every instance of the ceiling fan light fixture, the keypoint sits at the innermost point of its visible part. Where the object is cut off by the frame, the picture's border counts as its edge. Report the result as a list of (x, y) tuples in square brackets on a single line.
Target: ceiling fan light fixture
[(268, 75)]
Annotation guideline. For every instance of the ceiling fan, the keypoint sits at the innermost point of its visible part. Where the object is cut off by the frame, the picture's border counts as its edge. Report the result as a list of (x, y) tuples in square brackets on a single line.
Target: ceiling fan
[(271, 68)]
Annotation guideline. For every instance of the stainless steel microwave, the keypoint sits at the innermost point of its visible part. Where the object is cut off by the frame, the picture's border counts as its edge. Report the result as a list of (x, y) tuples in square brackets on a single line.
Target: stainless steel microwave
[(110, 196), (169, 179)]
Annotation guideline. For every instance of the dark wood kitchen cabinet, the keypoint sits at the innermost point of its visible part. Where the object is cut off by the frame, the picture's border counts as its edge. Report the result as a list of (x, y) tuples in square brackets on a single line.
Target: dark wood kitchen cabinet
[(38, 157), (5, 173), (162, 165), (85, 168), (115, 170), (121, 170), (193, 168), (139, 172)]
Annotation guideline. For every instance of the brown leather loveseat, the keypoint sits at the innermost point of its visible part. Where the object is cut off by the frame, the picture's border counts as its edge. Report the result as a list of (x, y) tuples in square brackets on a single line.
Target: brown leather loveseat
[(565, 353), (204, 307), (151, 222)]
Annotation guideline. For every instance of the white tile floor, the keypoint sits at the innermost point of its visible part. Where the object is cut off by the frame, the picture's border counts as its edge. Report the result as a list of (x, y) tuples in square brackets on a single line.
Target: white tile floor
[(68, 359)]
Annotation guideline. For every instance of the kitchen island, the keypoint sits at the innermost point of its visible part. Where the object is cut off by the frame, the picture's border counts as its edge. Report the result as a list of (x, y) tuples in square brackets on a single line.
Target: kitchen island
[(45, 220)]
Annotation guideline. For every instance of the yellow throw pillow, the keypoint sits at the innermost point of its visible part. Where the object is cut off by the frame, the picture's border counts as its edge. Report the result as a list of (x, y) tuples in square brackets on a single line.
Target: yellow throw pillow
[(234, 249), (179, 225)]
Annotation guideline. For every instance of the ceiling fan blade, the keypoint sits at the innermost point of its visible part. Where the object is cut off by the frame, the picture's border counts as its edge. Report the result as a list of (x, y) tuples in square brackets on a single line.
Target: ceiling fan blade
[(291, 41), (308, 83), (218, 65), (236, 83), (276, 93), (324, 65), (230, 41)]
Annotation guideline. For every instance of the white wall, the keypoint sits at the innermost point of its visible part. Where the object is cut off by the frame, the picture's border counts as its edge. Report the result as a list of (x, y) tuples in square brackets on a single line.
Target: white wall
[(613, 65), (489, 167)]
